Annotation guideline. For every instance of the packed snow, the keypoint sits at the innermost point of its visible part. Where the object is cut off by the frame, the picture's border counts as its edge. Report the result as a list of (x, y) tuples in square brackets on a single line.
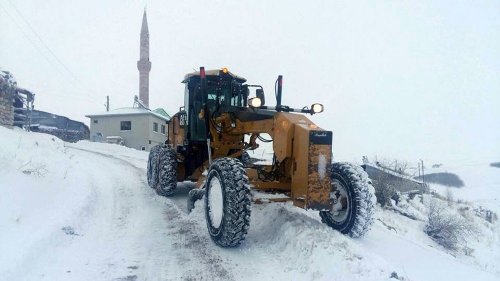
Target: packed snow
[(84, 211)]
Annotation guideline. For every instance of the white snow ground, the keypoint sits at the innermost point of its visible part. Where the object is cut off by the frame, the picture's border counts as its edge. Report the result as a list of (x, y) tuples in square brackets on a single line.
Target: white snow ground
[(84, 212)]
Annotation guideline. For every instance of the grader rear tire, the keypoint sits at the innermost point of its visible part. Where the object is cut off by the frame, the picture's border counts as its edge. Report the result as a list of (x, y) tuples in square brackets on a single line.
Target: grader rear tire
[(227, 202), (152, 170), (354, 201), (167, 171)]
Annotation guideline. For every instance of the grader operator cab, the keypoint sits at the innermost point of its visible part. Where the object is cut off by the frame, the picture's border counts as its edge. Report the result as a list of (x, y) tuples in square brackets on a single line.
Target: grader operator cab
[(207, 143)]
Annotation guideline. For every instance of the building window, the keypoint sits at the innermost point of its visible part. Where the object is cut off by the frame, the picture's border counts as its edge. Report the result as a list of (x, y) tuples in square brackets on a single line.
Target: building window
[(143, 148), (163, 129), (155, 127), (95, 121), (149, 142), (126, 125)]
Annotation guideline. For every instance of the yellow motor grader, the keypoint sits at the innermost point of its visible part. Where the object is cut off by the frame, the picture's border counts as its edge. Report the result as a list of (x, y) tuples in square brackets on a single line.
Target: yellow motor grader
[(207, 143)]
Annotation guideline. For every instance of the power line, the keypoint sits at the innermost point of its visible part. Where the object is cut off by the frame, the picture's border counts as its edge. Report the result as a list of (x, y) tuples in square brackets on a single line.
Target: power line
[(43, 42), (37, 47), (52, 53), (29, 39)]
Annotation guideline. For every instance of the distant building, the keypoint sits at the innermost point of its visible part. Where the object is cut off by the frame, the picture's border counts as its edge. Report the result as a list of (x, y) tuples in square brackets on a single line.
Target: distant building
[(138, 127), (383, 176), (16, 103), (17, 109), (23, 108), (59, 126)]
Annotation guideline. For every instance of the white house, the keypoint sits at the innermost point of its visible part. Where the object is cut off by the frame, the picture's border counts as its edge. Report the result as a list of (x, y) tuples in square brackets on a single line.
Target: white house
[(139, 128)]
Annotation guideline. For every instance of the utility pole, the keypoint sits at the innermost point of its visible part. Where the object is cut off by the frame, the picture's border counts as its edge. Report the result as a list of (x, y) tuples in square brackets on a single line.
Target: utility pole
[(107, 103), (423, 174)]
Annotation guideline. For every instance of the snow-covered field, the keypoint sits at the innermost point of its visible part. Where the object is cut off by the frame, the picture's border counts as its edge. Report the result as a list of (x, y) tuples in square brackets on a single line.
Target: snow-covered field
[(481, 183), (84, 212)]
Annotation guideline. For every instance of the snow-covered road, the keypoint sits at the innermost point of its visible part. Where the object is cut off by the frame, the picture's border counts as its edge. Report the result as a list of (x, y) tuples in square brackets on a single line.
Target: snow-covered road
[(84, 212), (131, 233), (118, 228)]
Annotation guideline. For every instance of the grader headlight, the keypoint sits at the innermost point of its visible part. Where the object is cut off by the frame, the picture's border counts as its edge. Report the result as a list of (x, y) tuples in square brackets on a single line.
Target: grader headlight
[(317, 108), (255, 102)]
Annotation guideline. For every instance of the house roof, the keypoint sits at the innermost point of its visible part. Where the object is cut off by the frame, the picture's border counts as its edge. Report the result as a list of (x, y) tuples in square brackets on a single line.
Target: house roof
[(130, 111), (162, 112)]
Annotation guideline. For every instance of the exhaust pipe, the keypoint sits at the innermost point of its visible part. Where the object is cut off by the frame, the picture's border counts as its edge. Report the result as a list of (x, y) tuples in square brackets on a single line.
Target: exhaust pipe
[(279, 90)]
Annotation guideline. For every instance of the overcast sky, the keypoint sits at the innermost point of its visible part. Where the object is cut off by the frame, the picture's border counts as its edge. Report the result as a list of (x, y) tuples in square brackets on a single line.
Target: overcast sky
[(408, 80)]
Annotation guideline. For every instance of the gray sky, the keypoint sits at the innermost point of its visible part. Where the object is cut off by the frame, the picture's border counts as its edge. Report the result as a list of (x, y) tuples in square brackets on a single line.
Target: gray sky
[(398, 79)]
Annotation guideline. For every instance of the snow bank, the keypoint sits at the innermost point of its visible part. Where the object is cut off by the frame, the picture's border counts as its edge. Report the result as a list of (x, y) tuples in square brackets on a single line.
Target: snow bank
[(38, 179), (288, 243)]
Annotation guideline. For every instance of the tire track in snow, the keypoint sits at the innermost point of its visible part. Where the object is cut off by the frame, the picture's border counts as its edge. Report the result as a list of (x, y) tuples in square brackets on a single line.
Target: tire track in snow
[(190, 240), (189, 232)]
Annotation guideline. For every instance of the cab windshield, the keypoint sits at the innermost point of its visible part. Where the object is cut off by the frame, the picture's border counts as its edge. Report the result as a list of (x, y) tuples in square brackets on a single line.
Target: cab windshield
[(222, 93), (225, 93)]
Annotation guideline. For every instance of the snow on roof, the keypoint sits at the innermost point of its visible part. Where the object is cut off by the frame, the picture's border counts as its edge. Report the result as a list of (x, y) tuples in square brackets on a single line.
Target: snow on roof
[(162, 112), (128, 111)]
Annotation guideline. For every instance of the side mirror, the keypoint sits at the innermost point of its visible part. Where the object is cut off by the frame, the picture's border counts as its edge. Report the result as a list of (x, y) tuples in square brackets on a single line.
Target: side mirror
[(183, 119), (260, 94)]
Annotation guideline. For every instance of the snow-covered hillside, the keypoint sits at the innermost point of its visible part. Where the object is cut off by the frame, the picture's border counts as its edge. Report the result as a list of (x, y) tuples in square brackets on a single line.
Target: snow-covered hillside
[(481, 182), (84, 212)]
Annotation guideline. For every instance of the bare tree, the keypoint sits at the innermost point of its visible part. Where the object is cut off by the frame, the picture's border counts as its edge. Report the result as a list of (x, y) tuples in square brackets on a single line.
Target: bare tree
[(448, 229)]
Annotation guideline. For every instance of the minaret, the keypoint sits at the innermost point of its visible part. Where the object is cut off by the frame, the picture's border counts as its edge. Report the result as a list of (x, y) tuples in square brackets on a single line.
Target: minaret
[(144, 65)]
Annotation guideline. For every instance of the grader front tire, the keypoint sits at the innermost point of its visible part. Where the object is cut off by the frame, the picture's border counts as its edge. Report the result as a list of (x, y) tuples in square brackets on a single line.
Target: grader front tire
[(227, 202), (354, 201)]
